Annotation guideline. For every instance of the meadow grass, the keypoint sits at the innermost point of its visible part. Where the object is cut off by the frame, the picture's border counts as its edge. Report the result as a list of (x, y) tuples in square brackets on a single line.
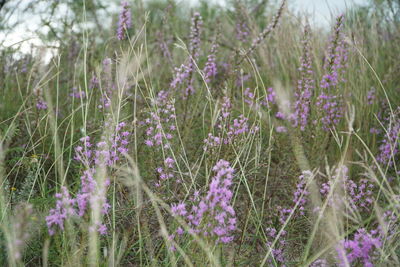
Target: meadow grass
[(234, 136)]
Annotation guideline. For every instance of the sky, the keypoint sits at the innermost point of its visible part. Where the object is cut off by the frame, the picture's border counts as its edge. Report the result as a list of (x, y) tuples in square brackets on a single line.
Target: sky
[(320, 11)]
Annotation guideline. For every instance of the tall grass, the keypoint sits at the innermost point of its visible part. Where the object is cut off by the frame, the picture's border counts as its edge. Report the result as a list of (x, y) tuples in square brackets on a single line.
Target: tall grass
[(187, 137)]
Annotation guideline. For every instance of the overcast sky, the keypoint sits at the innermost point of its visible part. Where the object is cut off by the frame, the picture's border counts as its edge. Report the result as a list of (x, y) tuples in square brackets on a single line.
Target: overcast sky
[(321, 10)]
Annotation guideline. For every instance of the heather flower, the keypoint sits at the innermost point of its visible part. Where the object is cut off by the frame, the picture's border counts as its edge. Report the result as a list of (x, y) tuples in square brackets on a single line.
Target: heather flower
[(335, 61), (41, 104), (330, 104), (125, 20), (360, 194), (184, 74), (105, 153), (280, 115), (108, 88), (77, 94), (63, 210), (241, 78), (361, 249), (283, 214), (242, 31), (166, 172), (248, 97), (281, 129), (389, 148), (228, 130), (210, 69), (357, 194), (195, 32), (161, 122), (270, 97), (333, 109), (305, 85), (94, 82), (371, 96), (212, 215), (278, 250), (163, 45), (267, 101), (301, 193), (374, 130)]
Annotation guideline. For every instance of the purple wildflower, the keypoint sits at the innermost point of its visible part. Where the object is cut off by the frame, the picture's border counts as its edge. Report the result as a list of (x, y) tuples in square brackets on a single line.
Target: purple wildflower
[(63, 210), (278, 250), (389, 148), (77, 93), (332, 108), (336, 60), (242, 32), (105, 153), (212, 215), (228, 130), (125, 20), (305, 85), (184, 74), (210, 69), (299, 196), (371, 96), (161, 122), (331, 105), (359, 249)]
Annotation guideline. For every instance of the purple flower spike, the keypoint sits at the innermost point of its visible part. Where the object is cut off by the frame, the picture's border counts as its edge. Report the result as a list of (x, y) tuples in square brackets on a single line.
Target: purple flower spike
[(125, 20)]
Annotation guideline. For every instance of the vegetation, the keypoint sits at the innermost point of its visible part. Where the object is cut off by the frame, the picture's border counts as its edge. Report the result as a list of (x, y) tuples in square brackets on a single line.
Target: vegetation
[(207, 136)]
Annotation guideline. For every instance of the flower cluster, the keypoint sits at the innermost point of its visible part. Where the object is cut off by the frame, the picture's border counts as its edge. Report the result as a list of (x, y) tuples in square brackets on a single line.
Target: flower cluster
[(331, 105), (305, 85), (63, 210), (163, 45), (267, 101), (361, 249), (389, 148), (228, 130), (184, 74), (249, 97), (242, 31), (77, 93), (161, 123), (94, 82), (335, 61), (210, 69), (357, 194), (166, 172), (105, 153), (333, 109), (371, 96), (212, 216), (270, 97), (360, 194), (125, 20), (278, 250), (299, 196), (41, 104)]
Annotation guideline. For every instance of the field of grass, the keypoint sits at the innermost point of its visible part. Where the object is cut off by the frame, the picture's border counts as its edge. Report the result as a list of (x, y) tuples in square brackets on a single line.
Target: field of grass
[(205, 136)]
